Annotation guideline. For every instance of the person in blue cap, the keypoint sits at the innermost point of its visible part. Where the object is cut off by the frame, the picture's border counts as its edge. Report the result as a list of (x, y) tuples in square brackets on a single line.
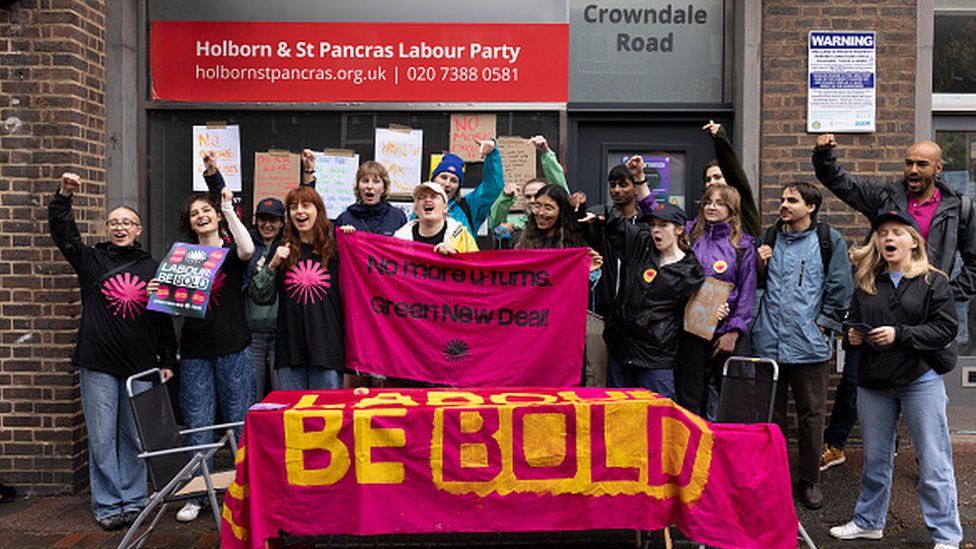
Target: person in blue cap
[(472, 209)]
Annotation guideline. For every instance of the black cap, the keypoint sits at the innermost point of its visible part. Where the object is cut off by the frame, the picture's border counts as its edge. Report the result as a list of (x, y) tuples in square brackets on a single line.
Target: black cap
[(896, 216), (665, 211), (270, 206)]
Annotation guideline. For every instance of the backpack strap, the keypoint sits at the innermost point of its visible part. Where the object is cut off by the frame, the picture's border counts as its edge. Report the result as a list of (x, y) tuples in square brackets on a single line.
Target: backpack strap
[(769, 237), (826, 246), (463, 203), (965, 213)]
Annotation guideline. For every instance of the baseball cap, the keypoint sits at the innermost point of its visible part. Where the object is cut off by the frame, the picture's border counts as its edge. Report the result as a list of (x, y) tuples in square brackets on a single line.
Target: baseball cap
[(896, 216), (436, 187), (271, 206), (665, 211)]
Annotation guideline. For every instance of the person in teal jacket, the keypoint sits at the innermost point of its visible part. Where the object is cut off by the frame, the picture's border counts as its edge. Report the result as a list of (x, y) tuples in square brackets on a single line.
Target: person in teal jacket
[(471, 210), (500, 214)]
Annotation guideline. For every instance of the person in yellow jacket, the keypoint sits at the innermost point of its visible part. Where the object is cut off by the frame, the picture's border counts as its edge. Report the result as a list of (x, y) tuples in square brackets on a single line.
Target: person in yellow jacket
[(433, 225)]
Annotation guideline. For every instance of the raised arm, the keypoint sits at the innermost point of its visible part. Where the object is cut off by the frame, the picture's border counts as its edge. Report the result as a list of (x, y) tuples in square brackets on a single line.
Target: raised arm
[(245, 245), (61, 222), (492, 183), (864, 196), (551, 167), (735, 176)]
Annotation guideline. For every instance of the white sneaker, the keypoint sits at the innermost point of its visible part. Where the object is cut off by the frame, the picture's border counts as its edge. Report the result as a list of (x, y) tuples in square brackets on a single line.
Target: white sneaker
[(853, 531), (189, 512), (945, 546)]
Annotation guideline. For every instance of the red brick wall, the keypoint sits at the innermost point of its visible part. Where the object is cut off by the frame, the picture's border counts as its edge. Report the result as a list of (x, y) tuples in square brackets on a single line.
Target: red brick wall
[(786, 147), (52, 119)]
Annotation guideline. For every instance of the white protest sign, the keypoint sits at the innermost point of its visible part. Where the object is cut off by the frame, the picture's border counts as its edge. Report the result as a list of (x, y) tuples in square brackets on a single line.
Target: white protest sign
[(335, 179), (225, 142), (401, 152)]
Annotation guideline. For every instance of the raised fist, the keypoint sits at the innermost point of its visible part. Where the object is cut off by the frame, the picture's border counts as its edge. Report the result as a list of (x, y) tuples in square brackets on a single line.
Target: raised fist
[(70, 182), (540, 143), (281, 254), (210, 163), (485, 146), (635, 165), (825, 141)]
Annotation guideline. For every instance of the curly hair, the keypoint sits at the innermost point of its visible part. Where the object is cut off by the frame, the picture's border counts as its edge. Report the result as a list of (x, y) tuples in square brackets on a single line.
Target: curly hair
[(185, 224), (323, 238)]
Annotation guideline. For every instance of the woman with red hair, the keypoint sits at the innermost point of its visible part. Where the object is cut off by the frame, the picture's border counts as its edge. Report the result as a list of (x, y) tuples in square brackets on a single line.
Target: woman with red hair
[(304, 272)]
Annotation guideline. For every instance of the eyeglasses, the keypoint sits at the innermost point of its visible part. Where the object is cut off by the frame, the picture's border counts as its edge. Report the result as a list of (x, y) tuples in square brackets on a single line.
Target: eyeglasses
[(714, 203), (122, 224)]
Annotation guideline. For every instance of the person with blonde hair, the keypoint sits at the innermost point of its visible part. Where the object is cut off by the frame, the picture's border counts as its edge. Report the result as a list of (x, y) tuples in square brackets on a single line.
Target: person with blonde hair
[(903, 321), (726, 253)]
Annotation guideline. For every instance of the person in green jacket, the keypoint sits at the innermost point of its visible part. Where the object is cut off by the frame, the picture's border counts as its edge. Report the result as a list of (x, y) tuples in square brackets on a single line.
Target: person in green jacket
[(726, 170), (513, 222)]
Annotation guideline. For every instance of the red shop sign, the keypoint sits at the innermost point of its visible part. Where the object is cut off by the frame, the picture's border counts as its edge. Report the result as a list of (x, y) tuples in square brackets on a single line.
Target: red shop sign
[(331, 62)]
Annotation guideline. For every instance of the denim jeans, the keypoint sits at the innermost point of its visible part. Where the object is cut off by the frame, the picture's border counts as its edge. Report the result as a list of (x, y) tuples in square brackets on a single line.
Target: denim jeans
[(228, 379), (923, 405), (263, 355), (117, 476), (305, 378), (844, 414), (619, 376)]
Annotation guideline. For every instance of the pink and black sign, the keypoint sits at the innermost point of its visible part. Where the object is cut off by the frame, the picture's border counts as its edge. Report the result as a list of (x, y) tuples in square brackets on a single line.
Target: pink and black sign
[(186, 279)]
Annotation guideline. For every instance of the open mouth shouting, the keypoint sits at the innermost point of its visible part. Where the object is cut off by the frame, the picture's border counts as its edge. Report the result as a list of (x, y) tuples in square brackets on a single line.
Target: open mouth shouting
[(301, 221)]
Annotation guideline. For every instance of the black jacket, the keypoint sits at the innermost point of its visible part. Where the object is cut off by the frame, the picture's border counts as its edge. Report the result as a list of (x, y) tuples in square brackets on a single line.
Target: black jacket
[(947, 234), (604, 294), (383, 218), (922, 311), (117, 334), (643, 326)]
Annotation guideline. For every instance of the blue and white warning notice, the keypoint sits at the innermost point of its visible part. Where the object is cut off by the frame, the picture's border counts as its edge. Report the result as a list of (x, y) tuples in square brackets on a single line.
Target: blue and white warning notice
[(841, 82)]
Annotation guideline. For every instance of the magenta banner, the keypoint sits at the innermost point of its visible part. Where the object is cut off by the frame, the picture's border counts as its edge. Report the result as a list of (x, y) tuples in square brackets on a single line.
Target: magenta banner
[(484, 319), (385, 461)]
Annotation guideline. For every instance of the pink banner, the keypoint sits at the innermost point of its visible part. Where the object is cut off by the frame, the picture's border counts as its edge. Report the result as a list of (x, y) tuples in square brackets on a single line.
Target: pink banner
[(485, 319), (385, 461)]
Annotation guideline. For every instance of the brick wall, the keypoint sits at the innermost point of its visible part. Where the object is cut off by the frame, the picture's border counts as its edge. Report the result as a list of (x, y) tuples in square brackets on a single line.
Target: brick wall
[(52, 119), (786, 147)]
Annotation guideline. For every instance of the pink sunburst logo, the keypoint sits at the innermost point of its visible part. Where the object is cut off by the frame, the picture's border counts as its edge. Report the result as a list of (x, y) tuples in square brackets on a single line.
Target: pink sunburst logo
[(126, 295), (307, 282)]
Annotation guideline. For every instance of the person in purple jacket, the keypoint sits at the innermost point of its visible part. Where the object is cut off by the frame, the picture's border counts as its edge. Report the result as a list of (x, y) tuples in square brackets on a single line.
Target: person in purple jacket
[(726, 253)]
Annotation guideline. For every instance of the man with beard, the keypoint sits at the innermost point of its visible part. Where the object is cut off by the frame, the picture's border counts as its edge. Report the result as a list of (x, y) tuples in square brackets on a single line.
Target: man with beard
[(945, 221)]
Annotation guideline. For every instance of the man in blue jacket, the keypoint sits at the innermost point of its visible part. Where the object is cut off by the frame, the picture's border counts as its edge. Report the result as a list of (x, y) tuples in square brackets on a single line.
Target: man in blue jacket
[(808, 290)]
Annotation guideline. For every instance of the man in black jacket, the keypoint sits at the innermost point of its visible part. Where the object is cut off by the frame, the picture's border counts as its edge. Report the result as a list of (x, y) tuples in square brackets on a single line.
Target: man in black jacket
[(945, 221)]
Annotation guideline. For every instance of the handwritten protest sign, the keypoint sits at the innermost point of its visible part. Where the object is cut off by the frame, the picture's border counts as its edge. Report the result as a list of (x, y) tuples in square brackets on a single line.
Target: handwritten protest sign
[(518, 164), (335, 178), (400, 151), (225, 142), (186, 280), (441, 318), (275, 173), (701, 308), (467, 130)]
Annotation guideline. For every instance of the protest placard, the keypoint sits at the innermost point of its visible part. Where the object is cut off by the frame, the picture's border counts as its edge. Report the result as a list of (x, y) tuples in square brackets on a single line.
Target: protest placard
[(187, 279), (275, 173), (700, 311), (225, 142), (400, 150), (518, 163), (467, 130), (335, 179)]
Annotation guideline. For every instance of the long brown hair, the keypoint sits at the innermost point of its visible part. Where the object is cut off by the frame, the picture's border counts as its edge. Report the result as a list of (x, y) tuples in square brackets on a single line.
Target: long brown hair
[(323, 239), (870, 263), (731, 198)]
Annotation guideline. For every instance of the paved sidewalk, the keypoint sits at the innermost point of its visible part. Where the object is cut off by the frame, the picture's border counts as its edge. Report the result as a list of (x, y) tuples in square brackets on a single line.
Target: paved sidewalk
[(66, 521)]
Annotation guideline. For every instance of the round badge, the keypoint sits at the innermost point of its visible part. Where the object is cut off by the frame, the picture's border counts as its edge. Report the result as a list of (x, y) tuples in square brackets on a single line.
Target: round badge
[(720, 266), (649, 275)]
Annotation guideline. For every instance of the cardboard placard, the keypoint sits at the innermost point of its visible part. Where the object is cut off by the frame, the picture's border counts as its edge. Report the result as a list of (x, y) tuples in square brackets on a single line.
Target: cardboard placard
[(335, 179), (518, 164), (400, 151), (467, 130), (187, 280), (225, 142), (275, 173), (700, 311)]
